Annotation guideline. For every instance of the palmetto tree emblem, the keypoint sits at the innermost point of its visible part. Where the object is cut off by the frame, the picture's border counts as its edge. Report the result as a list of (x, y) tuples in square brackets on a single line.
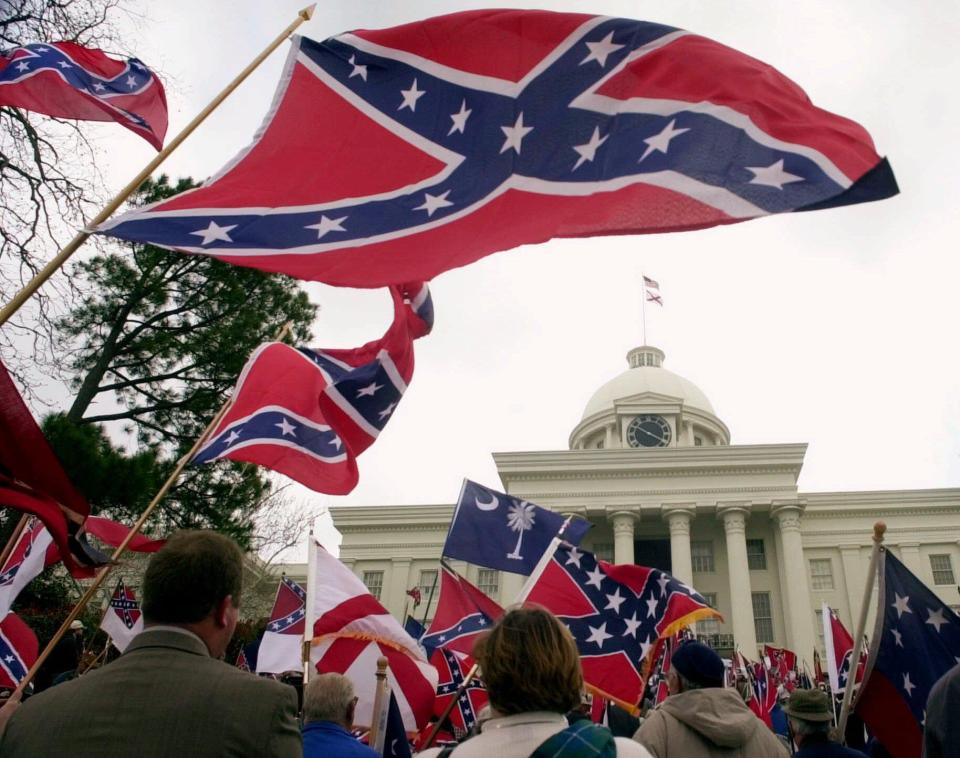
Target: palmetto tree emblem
[(520, 519)]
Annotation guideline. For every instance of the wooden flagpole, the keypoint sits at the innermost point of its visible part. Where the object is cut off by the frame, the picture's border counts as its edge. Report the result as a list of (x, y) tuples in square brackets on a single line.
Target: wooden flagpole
[(134, 531), (878, 531), (11, 543), (71, 247), (381, 706)]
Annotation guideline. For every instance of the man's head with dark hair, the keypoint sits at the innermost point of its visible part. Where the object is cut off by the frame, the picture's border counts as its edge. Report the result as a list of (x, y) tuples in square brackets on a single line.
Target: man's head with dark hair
[(194, 582)]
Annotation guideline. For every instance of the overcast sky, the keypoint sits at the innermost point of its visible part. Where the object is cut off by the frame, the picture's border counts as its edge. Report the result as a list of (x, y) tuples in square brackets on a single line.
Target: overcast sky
[(833, 328)]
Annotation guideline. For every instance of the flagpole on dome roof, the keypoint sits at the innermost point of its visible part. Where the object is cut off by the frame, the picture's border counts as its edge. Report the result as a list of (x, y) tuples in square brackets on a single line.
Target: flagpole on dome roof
[(878, 531), (108, 210)]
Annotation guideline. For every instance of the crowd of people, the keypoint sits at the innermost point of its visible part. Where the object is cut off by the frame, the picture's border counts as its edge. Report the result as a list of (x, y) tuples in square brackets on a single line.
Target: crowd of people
[(170, 694)]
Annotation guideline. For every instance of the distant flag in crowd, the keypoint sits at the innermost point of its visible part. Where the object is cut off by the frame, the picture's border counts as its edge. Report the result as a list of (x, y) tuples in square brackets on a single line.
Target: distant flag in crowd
[(281, 648), (33, 481), (764, 693), (515, 532), (122, 620), (452, 668), (18, 650), (661, 669), (651, 291), (309, 413), (783, 664), (915, 642), (242, 663), (817, 668), (351, 630), (839, 648), (472, 133), (66, 80), (395, 743), (33, 551), (247, 657), (616, 614), (414, 594), (463, 614)]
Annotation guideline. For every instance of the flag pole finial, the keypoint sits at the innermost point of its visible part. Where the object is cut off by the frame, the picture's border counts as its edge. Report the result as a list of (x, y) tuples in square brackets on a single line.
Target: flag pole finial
[(879, 529), (307, 13)]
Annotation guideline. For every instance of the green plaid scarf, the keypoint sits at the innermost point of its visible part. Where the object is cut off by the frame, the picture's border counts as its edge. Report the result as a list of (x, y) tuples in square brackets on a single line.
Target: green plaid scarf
[(582, 739)]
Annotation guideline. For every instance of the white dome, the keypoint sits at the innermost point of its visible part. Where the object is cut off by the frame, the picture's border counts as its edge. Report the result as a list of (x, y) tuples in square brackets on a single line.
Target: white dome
[(646, 375)]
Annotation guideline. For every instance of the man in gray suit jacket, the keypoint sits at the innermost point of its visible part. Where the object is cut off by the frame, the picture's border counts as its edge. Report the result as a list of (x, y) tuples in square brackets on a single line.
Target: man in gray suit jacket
[(169, 694)]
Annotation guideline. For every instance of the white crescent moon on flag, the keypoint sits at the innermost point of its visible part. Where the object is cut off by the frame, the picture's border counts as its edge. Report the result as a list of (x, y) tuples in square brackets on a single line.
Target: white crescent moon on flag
[(491, 506)]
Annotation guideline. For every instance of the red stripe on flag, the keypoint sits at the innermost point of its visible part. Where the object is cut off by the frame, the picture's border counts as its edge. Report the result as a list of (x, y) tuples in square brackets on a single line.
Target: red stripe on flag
[(883, 710), (354, 609)]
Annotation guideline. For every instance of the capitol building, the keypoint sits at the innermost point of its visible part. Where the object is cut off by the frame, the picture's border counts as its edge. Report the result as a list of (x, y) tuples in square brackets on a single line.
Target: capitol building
[(652, 466)]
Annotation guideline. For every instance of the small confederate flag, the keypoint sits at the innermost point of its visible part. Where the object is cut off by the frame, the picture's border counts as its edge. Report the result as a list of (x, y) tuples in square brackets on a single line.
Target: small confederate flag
[(616, 614), (18, 650), (839, 647), (122, 620), (242, 663), (783, 664), (414, 592), (452, 668), (764, 693), (33, 552), (65, 80), (463, 614), (309, 413), (281, 646)]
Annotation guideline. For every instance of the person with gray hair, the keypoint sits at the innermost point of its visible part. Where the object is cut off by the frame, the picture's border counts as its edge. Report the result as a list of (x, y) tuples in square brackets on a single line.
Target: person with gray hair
[(328, 706), (810, 714)]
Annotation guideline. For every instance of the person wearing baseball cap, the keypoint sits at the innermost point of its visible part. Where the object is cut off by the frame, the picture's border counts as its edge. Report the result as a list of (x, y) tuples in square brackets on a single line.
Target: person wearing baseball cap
[(701, 718), (810, 715)]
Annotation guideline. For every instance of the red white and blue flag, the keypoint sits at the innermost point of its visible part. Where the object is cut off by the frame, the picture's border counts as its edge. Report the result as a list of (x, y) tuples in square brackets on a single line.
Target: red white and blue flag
[(309, 413), (616, 615), (839, 648), (66, 80), (463, 613), (396, 154), (452, 668), (32, 553), (18, 650), (783, 664), (122, 620), (281, 648), (915, 642), (764, 693)]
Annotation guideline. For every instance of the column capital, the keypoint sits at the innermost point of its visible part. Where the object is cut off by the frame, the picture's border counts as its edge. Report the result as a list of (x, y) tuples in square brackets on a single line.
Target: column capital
[(678, 518), (787, 515), (623, 522), (734, 517)]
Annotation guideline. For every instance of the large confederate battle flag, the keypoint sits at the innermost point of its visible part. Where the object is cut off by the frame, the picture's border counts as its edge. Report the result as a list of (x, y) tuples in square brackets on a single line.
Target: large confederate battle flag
[(396, 154), (66, 80), (309, 413), (463, 614), (18, 650)]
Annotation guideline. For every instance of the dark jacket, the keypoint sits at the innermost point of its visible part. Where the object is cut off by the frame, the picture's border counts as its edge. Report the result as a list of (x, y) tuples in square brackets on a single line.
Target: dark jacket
[(324, 738), (941, 733), (821, 747)]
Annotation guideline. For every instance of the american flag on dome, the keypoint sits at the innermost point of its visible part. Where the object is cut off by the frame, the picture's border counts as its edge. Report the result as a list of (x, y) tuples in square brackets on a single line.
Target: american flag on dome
[(281, 646), (651, 290), (400, 153), (463, 613), (18, 650), (309, 413), (66, 80), (616, 614), (122, 620), (916, 640), (452, 668)]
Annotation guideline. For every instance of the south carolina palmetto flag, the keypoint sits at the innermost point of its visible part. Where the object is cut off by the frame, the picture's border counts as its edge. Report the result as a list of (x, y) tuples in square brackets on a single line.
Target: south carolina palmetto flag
[(351, 629)]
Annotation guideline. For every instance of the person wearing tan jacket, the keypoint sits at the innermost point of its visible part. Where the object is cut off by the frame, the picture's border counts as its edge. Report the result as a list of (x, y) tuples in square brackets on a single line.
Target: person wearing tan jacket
[(701, 719), (168, 695)]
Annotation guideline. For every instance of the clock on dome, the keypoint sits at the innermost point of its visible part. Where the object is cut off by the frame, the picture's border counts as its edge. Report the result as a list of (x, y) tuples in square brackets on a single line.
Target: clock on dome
[(649, 431)]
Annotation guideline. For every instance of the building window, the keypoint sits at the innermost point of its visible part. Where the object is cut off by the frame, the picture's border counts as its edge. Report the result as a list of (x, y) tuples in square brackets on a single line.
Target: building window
[(819, 622), (603, 551), (374, 582), (756, 555), (762, 617), (488, 582), (709, 626), (942, 569), (821, 574), (600, 444), (428, 584), (701, 556), (698, 441)]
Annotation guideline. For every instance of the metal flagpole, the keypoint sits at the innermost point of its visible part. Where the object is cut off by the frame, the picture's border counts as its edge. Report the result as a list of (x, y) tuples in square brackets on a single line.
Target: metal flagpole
[(643, 306), (134, 531), (71, 247), (878, 530), (309, 609)]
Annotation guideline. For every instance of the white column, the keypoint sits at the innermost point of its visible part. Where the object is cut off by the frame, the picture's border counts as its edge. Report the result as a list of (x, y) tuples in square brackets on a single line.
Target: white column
[(741, 600), (801, 637), (396, 592), (610, 440), (622, 537), (681, 562), (853, 577)]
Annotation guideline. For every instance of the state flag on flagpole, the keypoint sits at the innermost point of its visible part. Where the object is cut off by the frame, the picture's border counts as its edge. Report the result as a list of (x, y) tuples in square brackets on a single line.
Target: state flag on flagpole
[(463, 614), (33, 552), (651, 291), (67, 80), (122, 620), (481, 131), (281, 646)]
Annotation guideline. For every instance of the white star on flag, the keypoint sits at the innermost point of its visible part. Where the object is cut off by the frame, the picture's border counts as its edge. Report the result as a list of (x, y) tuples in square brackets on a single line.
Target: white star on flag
[(388, 410), (772, 175), (900, 603), (232, 437), (936, 620), (600, 50), (651, 607), (432, 202), (633, 623), (614, 601), (64, 64), (898, 637), (336, 443), (599, 634), (596, 577), (410, 97), (661, 142), (370, 390), (645, 647), (286, 428), (515, 134), (574, 557), (328, 225), (23, 66), (460, 119), (358, 70), (215, 232), (131, 82), (98, 86), (588, 151), (908, 685), (663, 581)]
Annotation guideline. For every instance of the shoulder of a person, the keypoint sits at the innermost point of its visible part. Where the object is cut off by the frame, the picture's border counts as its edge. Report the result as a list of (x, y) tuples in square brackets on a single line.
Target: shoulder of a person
[(627, 748), (431, 752)]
